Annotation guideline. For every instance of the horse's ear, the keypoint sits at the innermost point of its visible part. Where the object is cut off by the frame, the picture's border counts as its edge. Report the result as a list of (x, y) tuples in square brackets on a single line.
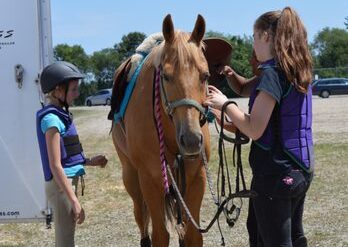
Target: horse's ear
[(168, 29), (198, 31)]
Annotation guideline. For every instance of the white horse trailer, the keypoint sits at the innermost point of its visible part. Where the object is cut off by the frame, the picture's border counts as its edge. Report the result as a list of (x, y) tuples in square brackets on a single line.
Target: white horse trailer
[(25, 48)]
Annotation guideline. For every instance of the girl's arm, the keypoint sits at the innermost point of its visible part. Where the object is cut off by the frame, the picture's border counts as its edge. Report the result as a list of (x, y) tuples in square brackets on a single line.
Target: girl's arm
[(255, 123), (99, 160), (53, 149), (238, 83)]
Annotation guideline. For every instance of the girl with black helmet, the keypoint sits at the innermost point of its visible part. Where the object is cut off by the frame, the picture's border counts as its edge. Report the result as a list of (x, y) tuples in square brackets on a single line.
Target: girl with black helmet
[(61, 152)]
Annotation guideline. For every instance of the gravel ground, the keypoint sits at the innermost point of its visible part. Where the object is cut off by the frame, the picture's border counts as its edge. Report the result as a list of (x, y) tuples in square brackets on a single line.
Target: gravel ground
[(110, 220)]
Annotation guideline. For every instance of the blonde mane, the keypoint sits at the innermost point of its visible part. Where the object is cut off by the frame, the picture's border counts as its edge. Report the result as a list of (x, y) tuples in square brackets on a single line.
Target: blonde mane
[(180, 52)]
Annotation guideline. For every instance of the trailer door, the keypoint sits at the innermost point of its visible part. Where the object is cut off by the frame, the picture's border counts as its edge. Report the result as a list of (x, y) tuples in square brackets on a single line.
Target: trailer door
[(25, 47)]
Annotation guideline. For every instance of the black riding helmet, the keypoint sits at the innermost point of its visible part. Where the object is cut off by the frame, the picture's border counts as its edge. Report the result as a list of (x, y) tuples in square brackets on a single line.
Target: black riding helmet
[(58, 73)]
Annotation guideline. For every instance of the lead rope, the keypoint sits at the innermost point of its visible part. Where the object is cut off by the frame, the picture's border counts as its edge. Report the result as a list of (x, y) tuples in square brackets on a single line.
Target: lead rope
[(165, 168), (212, 192), (209, 179), (180, 227)]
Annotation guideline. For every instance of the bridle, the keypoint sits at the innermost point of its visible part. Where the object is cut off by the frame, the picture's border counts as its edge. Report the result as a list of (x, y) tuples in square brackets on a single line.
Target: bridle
[(170, 106)]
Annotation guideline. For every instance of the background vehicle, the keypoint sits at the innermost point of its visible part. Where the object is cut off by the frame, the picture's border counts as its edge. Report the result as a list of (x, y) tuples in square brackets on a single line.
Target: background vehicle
[(102, 97), (330, 86)]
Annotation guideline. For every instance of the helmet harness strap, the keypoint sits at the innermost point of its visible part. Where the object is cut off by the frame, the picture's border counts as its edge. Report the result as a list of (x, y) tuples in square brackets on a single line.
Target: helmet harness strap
[(65, 103)]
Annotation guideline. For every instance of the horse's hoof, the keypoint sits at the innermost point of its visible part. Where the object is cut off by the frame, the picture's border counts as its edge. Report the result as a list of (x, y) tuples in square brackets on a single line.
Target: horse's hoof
[(145, 242)]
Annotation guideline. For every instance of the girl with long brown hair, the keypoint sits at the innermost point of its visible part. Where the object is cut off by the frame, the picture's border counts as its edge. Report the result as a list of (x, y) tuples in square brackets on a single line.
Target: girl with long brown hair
[(280, 124)]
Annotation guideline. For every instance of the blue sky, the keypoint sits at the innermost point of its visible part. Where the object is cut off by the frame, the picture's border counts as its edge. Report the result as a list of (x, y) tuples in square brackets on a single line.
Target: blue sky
[(100, 24)]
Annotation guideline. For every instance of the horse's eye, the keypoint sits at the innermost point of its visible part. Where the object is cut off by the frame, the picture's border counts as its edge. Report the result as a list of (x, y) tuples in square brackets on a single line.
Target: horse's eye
[(165, 77)]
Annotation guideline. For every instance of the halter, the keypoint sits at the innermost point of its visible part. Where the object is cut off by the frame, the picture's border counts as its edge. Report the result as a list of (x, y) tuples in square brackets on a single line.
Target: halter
[(170, 106)]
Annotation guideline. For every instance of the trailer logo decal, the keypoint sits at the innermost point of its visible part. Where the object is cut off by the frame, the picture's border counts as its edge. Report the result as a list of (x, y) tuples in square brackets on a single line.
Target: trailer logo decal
[(6, 34), (4, 38), (9, 213)]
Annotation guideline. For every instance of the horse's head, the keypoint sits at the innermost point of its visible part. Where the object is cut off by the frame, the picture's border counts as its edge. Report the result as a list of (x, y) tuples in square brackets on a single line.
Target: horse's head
[(184, 73)]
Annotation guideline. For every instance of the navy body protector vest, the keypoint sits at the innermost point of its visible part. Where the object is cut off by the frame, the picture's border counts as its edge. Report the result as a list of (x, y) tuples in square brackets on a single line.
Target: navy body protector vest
[(294, 125), (70, 146)]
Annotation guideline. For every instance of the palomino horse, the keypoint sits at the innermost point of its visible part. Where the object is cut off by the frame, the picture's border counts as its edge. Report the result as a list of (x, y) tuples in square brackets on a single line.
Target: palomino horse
[(184, 73)]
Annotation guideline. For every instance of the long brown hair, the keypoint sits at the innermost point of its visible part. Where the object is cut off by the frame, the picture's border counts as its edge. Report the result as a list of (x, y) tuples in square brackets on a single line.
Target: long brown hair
[(290, 45)]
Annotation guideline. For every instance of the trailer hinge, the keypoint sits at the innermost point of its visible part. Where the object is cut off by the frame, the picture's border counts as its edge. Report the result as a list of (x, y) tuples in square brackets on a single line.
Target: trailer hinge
[(37, 80)]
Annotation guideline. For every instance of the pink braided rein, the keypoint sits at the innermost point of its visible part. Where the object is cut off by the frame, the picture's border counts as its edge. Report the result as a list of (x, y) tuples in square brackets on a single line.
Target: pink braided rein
[(160, 130)]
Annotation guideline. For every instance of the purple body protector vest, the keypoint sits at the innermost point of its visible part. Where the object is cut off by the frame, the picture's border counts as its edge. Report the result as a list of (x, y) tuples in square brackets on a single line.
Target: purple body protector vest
[(294, 126), (70, 146)]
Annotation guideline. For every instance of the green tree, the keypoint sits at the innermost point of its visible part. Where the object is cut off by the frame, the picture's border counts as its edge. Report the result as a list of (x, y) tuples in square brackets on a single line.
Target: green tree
[(346, 22), (331, 51), (214, 34), (74, 54), (103, 65), (241, 54), (128, 44), (242, 50)]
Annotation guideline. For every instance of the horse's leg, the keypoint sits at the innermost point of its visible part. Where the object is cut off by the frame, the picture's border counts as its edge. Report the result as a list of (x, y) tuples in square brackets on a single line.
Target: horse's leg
[(193, 197), (131, 182), (153, 196)]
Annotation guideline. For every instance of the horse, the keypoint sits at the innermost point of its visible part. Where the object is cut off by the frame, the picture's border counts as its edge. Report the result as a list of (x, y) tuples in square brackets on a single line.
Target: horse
[(183, 71)]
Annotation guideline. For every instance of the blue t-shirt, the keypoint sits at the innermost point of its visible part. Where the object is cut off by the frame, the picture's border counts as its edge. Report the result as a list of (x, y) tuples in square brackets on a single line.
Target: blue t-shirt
[(53, 121)]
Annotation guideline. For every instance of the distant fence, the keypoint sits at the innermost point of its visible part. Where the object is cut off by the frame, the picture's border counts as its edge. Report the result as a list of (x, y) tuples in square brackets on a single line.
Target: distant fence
[(330, 72)]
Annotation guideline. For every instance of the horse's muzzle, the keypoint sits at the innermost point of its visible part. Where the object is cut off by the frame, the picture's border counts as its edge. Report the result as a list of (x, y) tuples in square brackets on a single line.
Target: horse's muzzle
[(190, 143)]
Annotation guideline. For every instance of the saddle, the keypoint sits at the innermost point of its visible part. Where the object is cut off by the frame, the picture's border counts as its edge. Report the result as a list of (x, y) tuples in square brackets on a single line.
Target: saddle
[(124, 73), (218, 53), (119, 87)]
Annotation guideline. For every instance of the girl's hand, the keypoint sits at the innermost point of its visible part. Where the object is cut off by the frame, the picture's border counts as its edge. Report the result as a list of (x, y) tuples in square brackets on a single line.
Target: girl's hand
[(227, 71), (99, 160), (215, 98), (79, 212)]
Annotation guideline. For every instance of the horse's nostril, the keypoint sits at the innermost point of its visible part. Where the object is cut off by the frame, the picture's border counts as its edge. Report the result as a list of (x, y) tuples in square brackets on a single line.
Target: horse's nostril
[(192, 141)]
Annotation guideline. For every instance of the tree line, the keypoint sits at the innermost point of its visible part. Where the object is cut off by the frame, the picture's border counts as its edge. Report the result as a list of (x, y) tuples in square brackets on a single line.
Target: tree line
[(329, 51)]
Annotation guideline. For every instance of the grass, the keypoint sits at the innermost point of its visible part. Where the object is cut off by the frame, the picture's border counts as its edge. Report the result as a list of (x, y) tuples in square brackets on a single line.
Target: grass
[(110, 220)]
